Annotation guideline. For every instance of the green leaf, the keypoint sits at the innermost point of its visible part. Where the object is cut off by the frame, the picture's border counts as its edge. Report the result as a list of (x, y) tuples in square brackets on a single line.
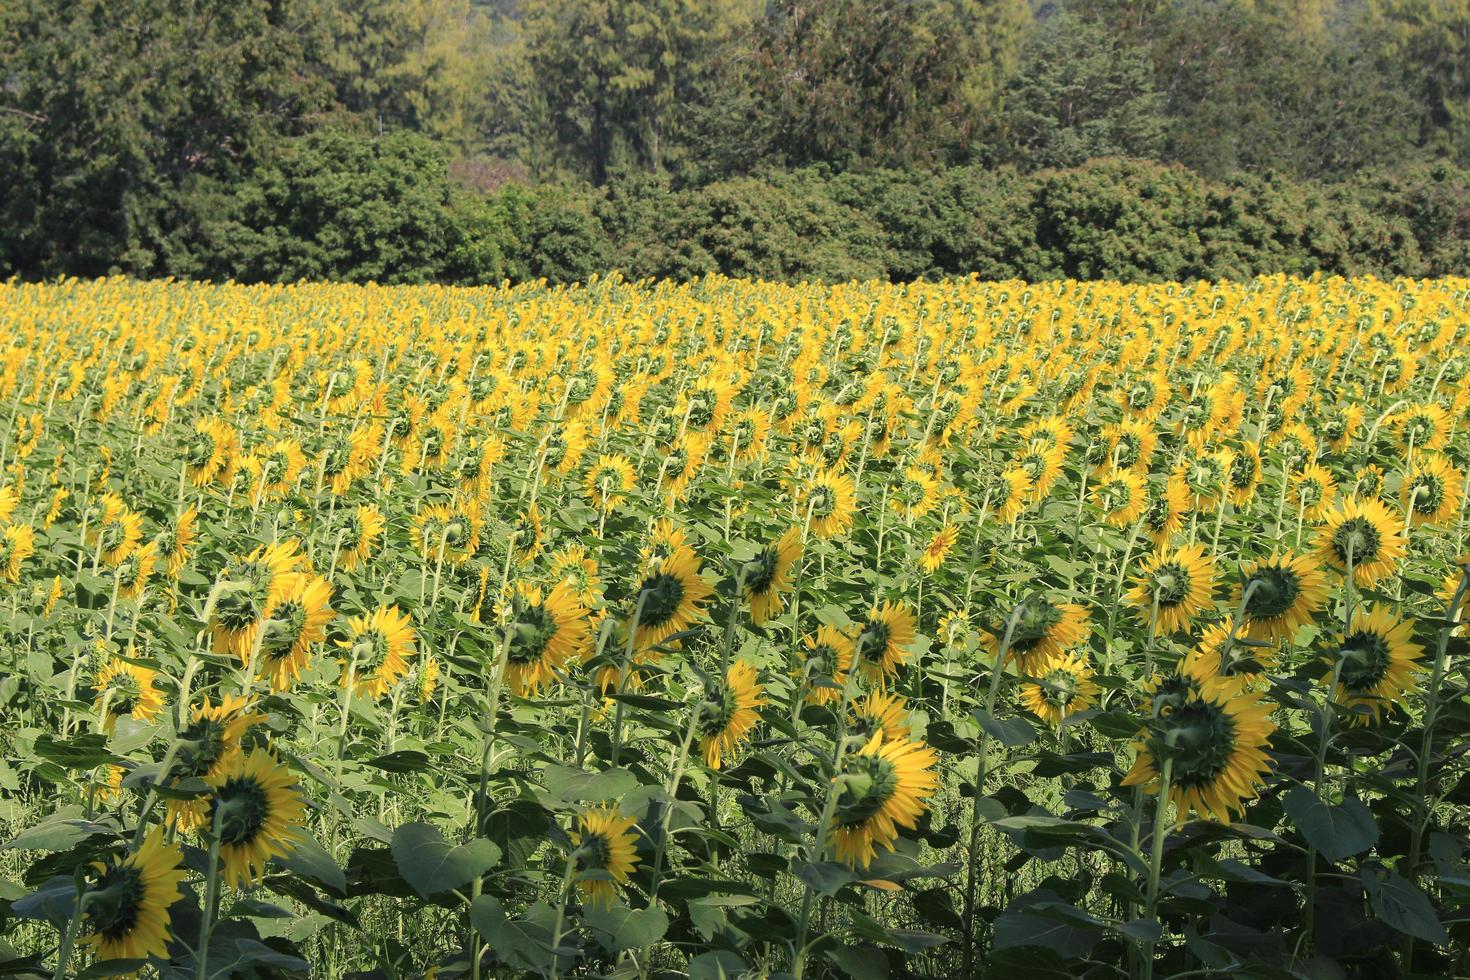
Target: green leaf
[(523, 943), (621, 928), (431, 865), (573, 784), (718, 965), (1010, 732), (83, 752), (825, 877), (56, 835), (311, 861), (405, 760), (860, 962), (1403, 906), (1337, 832)]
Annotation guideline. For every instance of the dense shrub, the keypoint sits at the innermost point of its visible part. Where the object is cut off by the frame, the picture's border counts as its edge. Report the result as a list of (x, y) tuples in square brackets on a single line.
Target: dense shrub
[(340, 205)]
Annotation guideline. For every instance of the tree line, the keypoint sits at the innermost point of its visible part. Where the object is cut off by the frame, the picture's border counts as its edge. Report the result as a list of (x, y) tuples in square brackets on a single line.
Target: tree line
[(405, 140)]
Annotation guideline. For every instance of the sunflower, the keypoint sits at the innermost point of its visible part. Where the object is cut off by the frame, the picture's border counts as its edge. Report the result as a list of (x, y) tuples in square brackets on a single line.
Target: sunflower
[(258, 812), (1163, 515), (1369, 482), (938, 549), (829, 500), (209, 744), (174, 539), (1063, 686), (748, 433), (1215, 741), (1183, 584), (443, 532), (294, 624), (428, 679), (542, 634), (578, 569), (209, 451), (1375, 660), (728, 713), (127, 901), (881, 643), (664, 538), (1366, 532), (1043, 629), (1423, 427), (768, 574), (379, 648), (17, 543), (118, 532), (912, 495), (361, 529), (277, 468), (1244, 475), (247, 589), (1314, 490), (1121, 497), (1007, 492), (1129, 445), (125, 688), (1340, 424), (669, 598), (526, 535), (135, 570), (1285, 592), (826, 658), (1431, 491), (606, 845), (1042, 465), (609, 480), (883, 712), (1217, 655), (884, 786)]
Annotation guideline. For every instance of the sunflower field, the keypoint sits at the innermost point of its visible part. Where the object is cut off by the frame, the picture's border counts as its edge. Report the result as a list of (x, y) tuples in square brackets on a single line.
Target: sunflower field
[(734, 629)]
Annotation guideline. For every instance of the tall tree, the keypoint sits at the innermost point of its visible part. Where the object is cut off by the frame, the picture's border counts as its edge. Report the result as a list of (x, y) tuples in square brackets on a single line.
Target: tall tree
[(109, 110), (614, 73)]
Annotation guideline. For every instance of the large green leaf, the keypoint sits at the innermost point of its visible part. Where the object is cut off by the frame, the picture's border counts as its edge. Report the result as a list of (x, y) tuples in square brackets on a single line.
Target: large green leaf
[(1337, 832), (432, 865)]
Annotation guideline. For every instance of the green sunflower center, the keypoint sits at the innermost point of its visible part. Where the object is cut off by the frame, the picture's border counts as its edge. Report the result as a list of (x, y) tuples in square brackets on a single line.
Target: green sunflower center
[(760, 571), (823, 501), (1276, 590), (870, 782), (872, 642), (1356, 537), (1365, 659), (202, 744), (716, 711), (283, 629), (115, 899), (1428, 493), (1200, 737), (662, 594), (532, 630), (1171, 584), (594, 853), (1059, 687), (125, 694), (243, 807), (1114, 495), (1037, 619)]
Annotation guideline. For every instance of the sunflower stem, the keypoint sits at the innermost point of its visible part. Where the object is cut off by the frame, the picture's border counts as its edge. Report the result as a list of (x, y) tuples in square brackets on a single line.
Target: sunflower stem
[(1155, 864), (211, 899), (1426, 744), (73, 927), (997, 671)]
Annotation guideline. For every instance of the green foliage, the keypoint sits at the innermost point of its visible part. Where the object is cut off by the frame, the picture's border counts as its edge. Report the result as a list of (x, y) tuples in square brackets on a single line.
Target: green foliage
[(340, 204), (1081, 93)]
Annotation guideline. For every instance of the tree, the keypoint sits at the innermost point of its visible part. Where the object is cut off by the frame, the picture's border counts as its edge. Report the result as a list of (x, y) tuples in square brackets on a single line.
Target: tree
[(1081, 93), (615, 73), (110, 111), (1427, 43), (882, 82)]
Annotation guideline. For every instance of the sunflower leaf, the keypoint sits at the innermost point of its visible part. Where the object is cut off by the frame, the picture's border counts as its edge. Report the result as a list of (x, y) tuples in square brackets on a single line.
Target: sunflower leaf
[(1337, 832), (432, 865)]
